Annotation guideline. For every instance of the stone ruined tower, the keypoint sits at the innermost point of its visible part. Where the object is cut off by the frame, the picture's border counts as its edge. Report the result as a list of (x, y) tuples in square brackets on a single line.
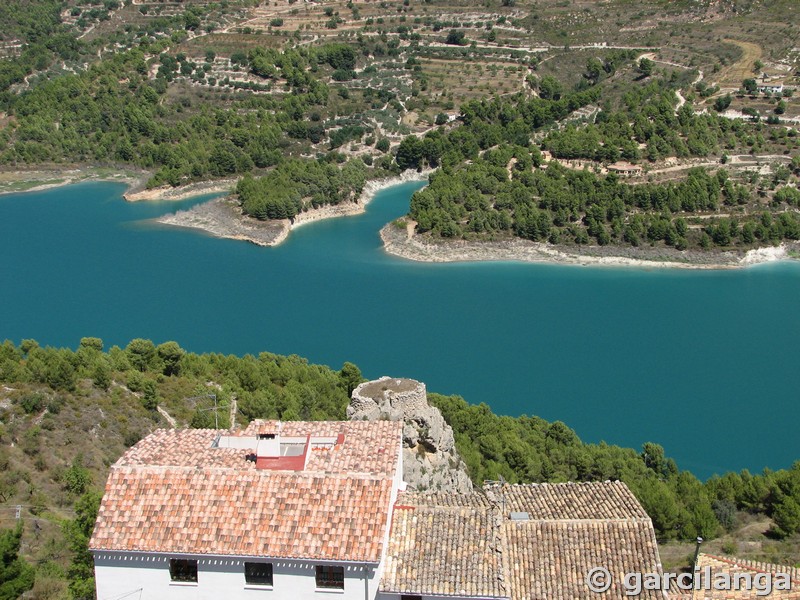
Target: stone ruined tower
[(430, 459)]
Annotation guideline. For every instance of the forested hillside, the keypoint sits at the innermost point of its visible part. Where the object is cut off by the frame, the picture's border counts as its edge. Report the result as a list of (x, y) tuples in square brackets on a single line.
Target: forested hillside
[(526, 128), (494, 184), (67, 415)]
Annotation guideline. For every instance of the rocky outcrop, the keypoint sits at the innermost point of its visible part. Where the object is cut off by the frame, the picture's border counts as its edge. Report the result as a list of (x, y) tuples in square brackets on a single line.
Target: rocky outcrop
[(430, 459)]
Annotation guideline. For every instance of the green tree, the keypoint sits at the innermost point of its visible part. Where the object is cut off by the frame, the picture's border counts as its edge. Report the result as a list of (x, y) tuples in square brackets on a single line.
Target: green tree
[(16, 575), (646, 67), (722, 103), (350, 376), (661, 506), (77, 478), (61, 373), (654, 459), (92, 343), (550, 88), (77, 533), (170, 354), (149, 394), (456, 37), (786, 516), (141, 353), (409, 153), (594, 69)]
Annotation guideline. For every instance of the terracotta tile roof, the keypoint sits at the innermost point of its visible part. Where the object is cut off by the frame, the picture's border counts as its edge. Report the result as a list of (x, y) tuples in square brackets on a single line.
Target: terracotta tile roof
[(716, 566), (549, 560), (442, 499), (449, 549), (176, 492), (676, 593), (591, 500), (445, 543), (367, 447), (258, 426), (242, 513), (185, 448)]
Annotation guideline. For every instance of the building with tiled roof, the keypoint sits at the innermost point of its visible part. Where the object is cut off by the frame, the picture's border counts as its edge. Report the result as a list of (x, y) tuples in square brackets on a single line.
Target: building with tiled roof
[(298, 509), (295, 508), (740, 579), (445, 545), (522, 542)]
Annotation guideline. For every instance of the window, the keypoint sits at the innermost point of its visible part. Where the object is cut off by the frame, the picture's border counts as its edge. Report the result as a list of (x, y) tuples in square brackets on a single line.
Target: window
[(330, 577), (258, 573), (183, 570)]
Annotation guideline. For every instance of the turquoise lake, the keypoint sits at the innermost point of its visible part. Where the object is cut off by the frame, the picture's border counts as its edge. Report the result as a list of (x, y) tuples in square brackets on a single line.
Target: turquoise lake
[(703, 362)]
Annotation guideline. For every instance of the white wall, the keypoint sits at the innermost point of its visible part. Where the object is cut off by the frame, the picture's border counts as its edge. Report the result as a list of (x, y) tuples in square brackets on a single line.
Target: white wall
[(221, 578)]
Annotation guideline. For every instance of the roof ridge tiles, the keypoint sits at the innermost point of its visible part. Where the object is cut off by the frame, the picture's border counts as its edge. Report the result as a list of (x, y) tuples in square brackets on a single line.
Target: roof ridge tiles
[(758, 566), (253, 470)]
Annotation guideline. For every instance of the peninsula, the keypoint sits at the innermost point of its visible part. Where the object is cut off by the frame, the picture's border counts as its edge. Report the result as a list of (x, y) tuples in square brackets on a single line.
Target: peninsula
[(223, 217), (399, 240)]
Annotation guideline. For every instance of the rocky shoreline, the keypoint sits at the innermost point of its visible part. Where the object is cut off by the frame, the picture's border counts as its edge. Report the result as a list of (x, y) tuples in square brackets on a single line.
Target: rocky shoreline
[(400, 242), (46, 178), (222, 217), (181, 193)]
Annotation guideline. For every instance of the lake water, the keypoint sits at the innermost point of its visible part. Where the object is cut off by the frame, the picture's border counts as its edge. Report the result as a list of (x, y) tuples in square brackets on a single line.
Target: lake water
[(704, 363)]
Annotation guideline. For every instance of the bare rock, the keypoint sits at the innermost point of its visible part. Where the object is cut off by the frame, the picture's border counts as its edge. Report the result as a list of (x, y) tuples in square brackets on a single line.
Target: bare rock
[(430, 458)]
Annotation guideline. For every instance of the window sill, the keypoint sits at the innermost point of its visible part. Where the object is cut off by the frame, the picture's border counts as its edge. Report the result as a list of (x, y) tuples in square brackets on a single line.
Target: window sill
[(184, 583), (330, 590), (255, 586)]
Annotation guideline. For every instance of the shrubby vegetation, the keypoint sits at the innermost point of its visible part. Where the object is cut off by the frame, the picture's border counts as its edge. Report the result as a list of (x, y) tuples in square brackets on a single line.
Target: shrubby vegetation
[(647, 116), (91, 405), (490, 184), (527, 449), (113, 113), (37, 26), (296, 185), (561, 205), (108, 400), (16, 575), (487, 123), (101, 120)]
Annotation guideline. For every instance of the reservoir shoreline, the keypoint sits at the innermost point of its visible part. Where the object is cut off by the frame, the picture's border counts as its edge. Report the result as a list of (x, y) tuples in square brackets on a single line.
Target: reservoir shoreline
[(403, 243), (223, 217), (42, 179)]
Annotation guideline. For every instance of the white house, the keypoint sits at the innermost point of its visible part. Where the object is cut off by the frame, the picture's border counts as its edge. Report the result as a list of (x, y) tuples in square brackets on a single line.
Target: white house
[(304, 510), (771, 89), (286, 511)]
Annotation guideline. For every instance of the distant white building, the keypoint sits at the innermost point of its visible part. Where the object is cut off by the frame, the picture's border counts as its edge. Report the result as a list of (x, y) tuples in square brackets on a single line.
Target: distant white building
[(771, 89)]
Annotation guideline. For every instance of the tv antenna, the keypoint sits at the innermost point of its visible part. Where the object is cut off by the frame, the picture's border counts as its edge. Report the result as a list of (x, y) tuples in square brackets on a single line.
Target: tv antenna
[(215, 408)]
